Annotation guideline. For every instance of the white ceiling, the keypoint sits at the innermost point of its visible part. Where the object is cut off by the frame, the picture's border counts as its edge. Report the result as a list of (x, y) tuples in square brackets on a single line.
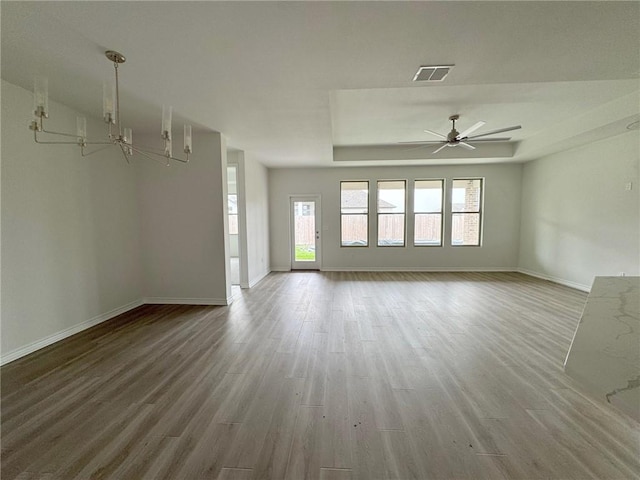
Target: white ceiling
[(294, 83)]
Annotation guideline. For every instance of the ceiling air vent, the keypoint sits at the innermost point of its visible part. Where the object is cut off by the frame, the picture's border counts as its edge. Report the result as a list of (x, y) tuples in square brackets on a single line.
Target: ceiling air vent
[(432, 73)]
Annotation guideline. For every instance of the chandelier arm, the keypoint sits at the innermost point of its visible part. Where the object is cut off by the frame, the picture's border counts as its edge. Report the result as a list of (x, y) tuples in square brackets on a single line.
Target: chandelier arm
[(137, 146), (124, 153), (98, 142), (51, 132), (149, 155), (35, 138), (150, 151), (86, 142), (183, 160), (59, 133), (95, 151), (68, 143), (147, 149), (153, 150), (55, 143)]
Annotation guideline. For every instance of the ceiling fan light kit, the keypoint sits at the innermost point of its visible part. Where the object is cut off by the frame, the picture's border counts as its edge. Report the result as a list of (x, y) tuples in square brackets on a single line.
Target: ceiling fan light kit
[(116, 134)]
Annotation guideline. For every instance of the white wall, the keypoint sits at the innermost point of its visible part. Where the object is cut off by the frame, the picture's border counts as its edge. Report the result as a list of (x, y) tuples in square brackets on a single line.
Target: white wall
[(183, 224), (578, 221), (501, 219), (257, 201), (84, 239), (70, 238)]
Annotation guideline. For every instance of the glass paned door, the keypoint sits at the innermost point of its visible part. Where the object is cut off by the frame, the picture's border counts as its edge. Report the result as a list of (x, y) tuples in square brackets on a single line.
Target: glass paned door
[(305, 232)]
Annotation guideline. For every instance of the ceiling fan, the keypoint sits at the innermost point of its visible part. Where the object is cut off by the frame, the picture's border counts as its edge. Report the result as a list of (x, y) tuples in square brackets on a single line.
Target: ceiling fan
[(455, 138)]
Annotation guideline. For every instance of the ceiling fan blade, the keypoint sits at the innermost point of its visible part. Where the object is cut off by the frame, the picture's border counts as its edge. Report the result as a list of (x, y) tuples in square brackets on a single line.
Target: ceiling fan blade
[(436, 151), (496, 139), (420, 143), (473, 128), (466, 145), (500, 130), (444, 137)]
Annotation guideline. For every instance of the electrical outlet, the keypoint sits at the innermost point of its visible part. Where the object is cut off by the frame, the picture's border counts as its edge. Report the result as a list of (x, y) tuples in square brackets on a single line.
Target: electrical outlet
[(628, 186), (621, 274)]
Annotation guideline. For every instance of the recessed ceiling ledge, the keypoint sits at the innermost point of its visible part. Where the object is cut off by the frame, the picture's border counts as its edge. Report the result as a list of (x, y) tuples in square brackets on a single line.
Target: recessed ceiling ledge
[(403, 152)]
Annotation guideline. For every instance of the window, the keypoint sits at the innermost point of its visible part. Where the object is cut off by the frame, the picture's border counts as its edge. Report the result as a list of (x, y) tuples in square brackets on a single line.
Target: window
[(354, 211), (427, 209), (466, 212), (232, 203), (391, 208), (232, 199)]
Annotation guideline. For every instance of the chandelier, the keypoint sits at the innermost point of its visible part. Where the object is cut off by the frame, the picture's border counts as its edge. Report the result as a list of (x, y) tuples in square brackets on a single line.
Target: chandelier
[(116, 134)]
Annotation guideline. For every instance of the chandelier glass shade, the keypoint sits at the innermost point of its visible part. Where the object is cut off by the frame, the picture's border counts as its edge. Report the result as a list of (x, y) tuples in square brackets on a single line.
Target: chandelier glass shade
[(117, 135)]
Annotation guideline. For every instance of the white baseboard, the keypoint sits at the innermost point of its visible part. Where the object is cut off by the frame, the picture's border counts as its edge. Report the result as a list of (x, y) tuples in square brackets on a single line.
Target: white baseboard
[(61, 335), (404, 269), (419, 269), (561, 281), (187, 301), (56, 337), (286, 268), (257, 279)]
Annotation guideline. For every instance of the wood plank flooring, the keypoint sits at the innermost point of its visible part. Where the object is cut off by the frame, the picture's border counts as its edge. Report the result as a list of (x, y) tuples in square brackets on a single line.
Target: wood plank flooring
[(325, 376)]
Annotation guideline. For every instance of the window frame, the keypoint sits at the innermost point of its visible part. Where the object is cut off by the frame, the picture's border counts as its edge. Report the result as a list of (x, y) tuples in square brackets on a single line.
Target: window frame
[(366, 214), (230, 215), (441, 212), (404, 214), (479, 212)]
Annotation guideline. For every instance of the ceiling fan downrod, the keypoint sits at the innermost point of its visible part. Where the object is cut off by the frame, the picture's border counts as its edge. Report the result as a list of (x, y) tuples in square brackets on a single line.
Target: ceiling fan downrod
[(452, 137)]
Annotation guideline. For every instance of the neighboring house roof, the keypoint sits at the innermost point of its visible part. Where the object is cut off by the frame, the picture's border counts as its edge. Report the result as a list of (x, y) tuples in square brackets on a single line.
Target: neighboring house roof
[(358, 198)]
